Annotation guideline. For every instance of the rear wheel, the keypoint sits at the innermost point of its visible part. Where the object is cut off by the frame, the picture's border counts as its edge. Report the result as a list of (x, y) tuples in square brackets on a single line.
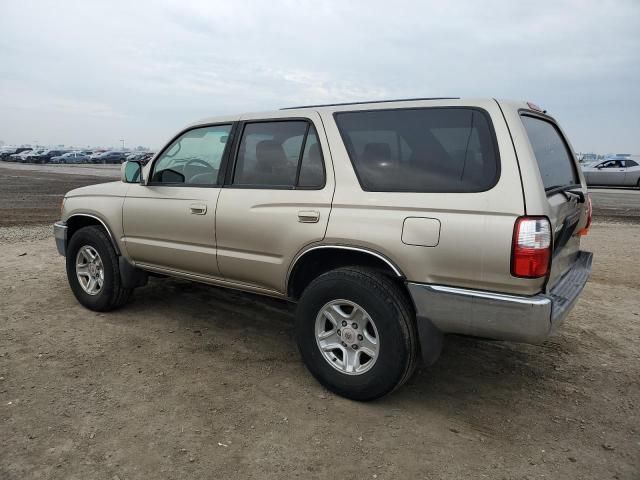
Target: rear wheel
[(93, 271), (356, 333)]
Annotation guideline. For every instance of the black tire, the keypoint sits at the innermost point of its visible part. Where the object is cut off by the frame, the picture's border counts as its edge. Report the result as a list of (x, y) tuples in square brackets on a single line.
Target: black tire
[(112, 295), (393, 315)]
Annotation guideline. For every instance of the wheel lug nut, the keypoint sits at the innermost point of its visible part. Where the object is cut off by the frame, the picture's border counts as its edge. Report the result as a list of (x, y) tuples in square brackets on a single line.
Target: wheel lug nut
[(354, 325), (338, 332), (359, 338), (344, 324), (343, 344), (355, 347)]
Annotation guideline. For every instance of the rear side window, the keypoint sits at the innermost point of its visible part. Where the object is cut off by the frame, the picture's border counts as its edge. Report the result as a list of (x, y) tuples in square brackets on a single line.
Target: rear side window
[(421, 150), (279, 154), (554, 160)]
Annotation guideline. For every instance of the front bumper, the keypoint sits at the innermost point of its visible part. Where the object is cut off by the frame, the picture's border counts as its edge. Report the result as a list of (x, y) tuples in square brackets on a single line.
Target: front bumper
[(501, 316), (60, 234)]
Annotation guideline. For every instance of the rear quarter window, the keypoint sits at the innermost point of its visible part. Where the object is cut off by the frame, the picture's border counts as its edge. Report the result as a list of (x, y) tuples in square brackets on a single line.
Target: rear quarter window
[(421, 149), (555, 161)]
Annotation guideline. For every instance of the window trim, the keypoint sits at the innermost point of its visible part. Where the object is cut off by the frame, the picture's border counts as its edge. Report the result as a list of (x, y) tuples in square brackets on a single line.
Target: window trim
[(552, 121), (482, 111), (223, 160), (233, 158)]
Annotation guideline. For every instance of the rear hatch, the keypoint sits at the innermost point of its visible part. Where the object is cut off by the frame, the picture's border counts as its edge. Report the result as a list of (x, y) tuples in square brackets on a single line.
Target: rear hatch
[(563, 188)]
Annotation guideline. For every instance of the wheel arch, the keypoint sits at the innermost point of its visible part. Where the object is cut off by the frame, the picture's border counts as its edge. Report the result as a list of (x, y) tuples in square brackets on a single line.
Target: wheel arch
[(319, 259), (79, 220)]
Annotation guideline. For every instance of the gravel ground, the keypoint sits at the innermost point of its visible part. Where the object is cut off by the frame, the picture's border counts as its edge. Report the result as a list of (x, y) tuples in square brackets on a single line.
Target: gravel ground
[(191, 381)]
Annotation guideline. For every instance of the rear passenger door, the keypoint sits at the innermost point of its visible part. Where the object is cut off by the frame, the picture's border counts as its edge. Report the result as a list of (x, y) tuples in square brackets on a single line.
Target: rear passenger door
[(276, 198)]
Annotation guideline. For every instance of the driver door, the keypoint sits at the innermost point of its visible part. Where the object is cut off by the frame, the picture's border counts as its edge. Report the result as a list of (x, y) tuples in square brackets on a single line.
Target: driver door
[(169, 221), (610, 173)]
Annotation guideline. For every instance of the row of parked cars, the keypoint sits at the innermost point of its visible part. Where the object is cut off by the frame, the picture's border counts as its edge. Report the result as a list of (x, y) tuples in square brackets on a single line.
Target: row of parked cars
[(48, 155)]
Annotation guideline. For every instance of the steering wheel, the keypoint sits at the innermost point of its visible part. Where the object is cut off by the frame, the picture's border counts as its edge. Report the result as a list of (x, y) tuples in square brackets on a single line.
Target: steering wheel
[(199, 167), (198, 161)]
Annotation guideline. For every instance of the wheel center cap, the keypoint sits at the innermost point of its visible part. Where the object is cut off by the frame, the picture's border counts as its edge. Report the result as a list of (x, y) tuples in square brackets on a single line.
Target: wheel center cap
[(348, 335), (92, 269)]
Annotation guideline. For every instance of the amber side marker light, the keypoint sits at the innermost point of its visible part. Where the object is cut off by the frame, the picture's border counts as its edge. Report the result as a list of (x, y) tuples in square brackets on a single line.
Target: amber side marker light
[(585, 230)]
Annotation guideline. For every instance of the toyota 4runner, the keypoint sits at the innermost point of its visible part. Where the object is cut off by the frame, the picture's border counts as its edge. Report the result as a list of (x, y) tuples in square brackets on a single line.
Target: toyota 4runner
[(389, 223)]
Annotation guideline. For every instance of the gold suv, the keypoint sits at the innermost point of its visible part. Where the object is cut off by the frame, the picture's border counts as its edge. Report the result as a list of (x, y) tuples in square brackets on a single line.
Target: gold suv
[(389, 223)]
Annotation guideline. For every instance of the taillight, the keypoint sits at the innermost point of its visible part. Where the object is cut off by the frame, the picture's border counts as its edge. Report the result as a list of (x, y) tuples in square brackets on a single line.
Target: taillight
[(585, 230), (531, 250)]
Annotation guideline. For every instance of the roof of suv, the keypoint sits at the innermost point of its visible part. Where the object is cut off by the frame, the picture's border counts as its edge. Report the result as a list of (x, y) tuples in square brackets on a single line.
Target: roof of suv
[(374, 104)]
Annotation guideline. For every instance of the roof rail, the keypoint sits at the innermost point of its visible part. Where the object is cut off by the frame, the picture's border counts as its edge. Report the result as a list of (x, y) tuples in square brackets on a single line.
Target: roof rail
[(371, 101)]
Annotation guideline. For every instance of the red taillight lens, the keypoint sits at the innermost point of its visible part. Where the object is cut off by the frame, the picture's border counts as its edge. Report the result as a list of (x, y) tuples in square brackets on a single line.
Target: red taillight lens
[(531, 251), (585, 229)]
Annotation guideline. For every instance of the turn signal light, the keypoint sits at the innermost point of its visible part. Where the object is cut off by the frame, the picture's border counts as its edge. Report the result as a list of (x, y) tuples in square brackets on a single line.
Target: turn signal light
[(585, 230), (531, 249)]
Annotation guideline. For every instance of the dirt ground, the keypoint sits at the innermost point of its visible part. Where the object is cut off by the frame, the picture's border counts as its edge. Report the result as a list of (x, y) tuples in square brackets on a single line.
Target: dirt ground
[(192, 381)]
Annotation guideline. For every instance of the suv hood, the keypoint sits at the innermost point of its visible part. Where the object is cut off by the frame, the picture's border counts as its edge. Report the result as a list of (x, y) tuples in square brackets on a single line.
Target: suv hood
[(111, 189)]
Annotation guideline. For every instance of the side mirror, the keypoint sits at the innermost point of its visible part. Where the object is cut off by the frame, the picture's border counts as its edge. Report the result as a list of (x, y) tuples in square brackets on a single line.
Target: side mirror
[(131, 172)]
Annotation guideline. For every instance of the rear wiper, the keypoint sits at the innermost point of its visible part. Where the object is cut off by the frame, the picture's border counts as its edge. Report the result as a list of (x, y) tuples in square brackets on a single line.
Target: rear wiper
[(577, 193), (569, 191)]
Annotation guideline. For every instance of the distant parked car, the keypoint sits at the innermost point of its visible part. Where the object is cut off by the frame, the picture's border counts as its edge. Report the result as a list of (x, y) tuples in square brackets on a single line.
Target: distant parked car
[(113, 156), (613, 172), (71, 157), (8, 152), (142, 157), (45, 156), (23, 156)]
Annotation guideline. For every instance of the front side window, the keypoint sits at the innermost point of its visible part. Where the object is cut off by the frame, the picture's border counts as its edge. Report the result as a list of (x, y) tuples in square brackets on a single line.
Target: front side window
[(194, 158), (421, 149), (555, 162), (279, 154)]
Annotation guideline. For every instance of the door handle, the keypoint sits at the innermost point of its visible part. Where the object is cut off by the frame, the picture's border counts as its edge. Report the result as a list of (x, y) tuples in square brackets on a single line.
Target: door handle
[(198, 208), (308, 216)]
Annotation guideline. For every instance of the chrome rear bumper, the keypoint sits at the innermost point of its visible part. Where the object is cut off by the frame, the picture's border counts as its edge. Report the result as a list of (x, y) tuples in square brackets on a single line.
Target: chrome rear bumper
[(501, 316)]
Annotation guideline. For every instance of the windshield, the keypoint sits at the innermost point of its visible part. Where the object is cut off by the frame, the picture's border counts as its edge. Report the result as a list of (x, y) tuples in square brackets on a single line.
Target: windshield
[(556, 164)]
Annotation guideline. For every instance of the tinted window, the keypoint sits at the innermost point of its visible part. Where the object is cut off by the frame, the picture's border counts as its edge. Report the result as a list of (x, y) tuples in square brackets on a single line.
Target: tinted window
[(555, 162), (421, 150), (271, 152), (630, 163), (312, 166), (194, 158)]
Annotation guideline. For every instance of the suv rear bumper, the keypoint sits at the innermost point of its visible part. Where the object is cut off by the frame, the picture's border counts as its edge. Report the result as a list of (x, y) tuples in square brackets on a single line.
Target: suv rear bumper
[(501, 316), (60, 234)]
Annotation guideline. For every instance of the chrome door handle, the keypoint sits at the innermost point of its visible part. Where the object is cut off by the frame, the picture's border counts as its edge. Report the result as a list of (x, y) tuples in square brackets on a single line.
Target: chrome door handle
[(198, 209), (308, 216)]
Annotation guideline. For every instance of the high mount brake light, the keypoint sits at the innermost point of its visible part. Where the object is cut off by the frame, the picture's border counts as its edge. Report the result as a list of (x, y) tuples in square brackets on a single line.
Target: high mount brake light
[(531, 249), (535, 107)]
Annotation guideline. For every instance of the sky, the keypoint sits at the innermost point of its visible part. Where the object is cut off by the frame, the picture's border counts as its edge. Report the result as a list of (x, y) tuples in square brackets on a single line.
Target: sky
[(96, 72)]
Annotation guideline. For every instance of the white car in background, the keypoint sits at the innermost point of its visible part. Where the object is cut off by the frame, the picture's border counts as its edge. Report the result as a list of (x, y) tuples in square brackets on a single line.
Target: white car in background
[(619, 172)]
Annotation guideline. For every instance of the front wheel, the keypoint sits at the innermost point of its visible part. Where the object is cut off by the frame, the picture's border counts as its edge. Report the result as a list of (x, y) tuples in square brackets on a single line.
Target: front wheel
[(356, 333), (93, 270)]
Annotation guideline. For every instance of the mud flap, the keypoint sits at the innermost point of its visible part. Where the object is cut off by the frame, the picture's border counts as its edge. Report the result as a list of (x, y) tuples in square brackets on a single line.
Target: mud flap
[(131, 276), (430, 341)]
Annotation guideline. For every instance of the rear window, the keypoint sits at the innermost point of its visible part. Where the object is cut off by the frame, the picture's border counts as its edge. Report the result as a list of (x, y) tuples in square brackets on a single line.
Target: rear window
[(555, 162), (421, 150)]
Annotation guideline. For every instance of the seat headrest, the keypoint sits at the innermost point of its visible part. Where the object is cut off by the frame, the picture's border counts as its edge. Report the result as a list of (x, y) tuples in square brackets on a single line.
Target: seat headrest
[(269, 155)]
